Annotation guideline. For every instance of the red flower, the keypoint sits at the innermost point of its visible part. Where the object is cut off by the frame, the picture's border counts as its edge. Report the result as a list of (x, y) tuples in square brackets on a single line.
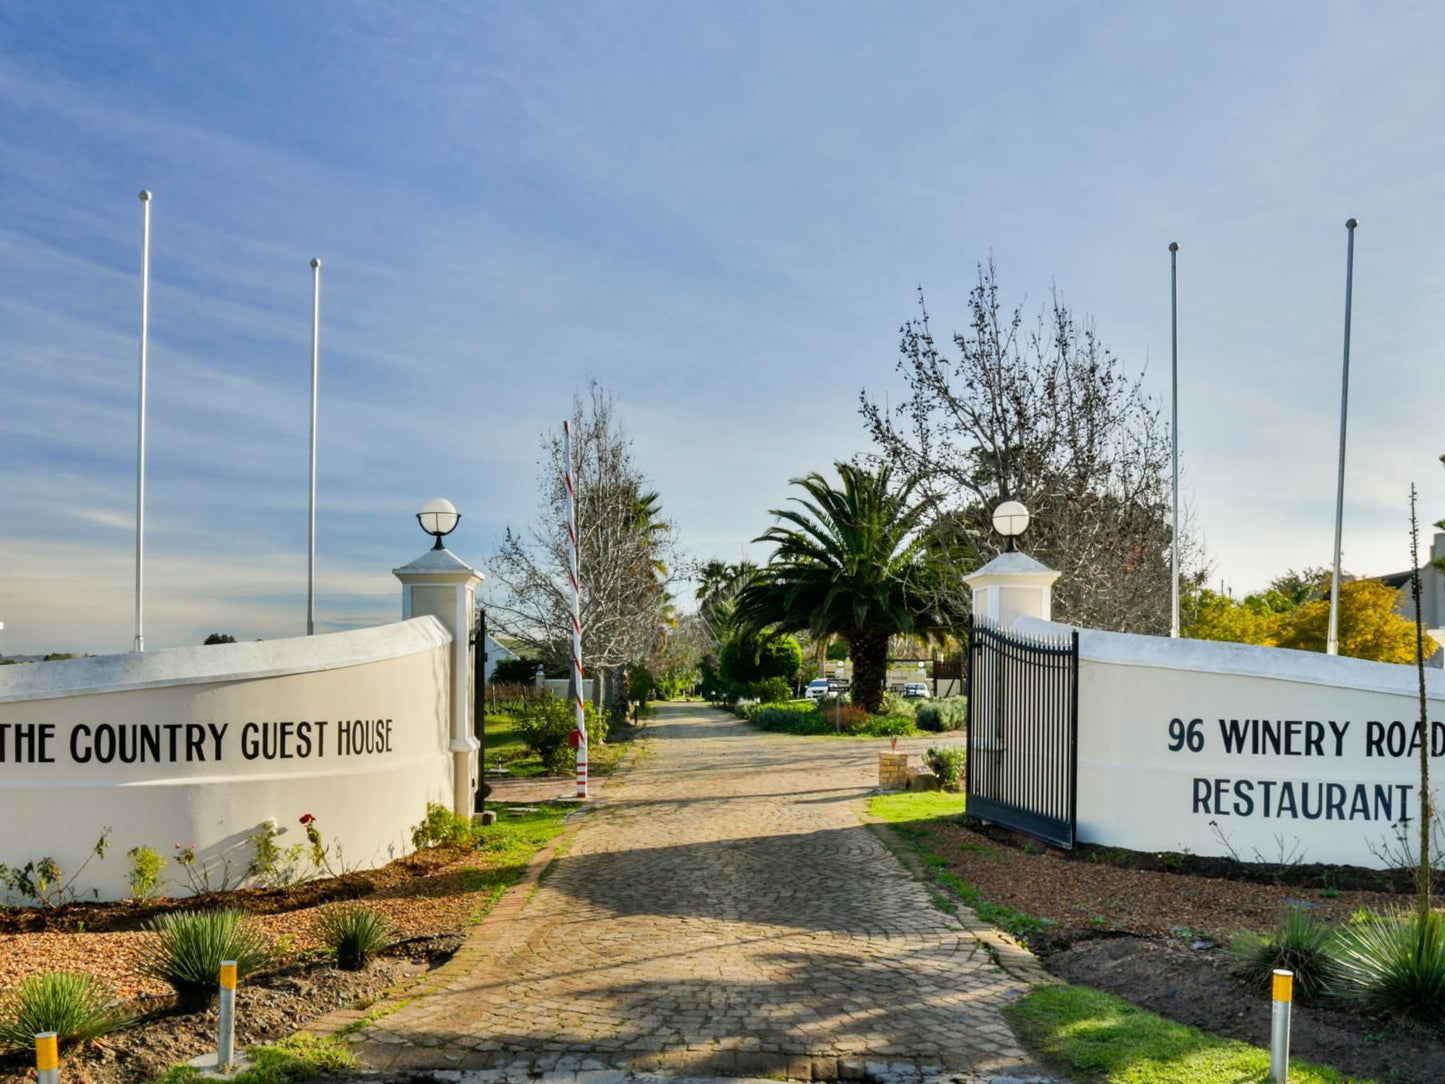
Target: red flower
[(307, 818)]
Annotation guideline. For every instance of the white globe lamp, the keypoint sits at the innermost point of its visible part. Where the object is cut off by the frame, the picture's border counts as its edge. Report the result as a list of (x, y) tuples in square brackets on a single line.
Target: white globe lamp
[(1010, 519), (439, 517)]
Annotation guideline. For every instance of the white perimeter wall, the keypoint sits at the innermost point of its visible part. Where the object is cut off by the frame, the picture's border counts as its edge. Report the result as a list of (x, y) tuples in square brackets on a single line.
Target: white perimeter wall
[(241, 733), (1343, 774)]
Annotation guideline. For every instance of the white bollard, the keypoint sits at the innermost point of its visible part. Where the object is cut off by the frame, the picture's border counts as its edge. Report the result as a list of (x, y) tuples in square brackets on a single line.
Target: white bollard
[(226, 1046), (1279, 1026), (47, 1058)]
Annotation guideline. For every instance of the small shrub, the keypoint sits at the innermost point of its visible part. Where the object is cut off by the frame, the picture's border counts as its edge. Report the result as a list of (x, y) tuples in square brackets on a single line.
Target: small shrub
[(44, 882), (792, 719), (893, 704), (889, 726), (839, 714), (521, 671), (146, 867), (273, 866), (1299, 943), (355, 934), (188, 946), (773, 690), (544, 726), (936, 716), (1395, 964), (76, 1007), (946, 762), (443, 828)]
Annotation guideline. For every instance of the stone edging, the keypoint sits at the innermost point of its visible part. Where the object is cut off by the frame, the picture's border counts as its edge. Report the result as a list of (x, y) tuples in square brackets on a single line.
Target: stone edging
[(1013, 958), (482, 941)]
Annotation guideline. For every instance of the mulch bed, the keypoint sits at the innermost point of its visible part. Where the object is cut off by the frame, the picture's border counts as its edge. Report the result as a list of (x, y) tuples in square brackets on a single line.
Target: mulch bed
[(427, 897), (1123, 923), (423, 895), (268, 1007)]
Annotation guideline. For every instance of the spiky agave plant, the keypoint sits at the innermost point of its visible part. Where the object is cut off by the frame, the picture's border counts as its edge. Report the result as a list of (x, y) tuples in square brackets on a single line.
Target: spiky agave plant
[(1299, 942), (76, 1007), (187, 948), (1395, 963)]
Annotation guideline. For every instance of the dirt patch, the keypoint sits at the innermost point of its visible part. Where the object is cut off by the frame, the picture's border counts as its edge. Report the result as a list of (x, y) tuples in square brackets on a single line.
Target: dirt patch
[(1102, 891), (1194, 986), (270, 1006)]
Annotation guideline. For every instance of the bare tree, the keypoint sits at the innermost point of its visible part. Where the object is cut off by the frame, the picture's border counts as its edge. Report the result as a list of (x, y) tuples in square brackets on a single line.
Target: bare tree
[(625, 549), (1046, 415)]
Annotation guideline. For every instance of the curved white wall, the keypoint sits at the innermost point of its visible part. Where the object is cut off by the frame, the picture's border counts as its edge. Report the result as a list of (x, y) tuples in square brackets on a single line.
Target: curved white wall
[(1312, 749), (201, 745)]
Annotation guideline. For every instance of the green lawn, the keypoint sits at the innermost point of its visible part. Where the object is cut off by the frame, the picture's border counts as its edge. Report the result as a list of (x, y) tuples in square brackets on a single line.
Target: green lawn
[(1101, 1039), (505, 747)]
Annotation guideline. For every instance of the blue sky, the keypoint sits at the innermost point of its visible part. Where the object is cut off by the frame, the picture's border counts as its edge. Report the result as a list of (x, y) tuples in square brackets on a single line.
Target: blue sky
[(719, 211)]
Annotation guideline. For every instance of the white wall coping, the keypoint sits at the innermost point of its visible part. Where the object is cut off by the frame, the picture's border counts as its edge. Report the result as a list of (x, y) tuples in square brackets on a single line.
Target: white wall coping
[(213, 663), (1250, 660)]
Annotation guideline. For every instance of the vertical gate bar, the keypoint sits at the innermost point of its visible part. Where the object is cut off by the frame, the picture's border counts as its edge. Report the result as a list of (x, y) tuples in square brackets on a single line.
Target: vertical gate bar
[(1074, 736), (970, 759), (1031, 777)]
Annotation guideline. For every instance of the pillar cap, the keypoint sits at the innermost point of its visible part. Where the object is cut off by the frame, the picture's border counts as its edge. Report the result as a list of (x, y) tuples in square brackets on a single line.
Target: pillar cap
[(441, 565), (1013, 564)]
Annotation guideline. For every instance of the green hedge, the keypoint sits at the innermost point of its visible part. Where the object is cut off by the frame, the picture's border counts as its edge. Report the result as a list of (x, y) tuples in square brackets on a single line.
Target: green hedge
[(950, 713), (790, 719)]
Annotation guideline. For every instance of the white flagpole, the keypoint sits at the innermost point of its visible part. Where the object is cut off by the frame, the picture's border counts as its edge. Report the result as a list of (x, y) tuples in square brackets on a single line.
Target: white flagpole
[(140, 458), (1174, 433), (1332, 643), (315, 385)]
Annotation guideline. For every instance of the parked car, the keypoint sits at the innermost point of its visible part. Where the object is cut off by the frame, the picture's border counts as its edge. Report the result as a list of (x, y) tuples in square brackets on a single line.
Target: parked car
[(916, 690), (818, 688)]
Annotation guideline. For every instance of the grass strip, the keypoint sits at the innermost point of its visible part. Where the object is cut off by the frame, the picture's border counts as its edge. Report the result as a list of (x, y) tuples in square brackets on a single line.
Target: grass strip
[(301, 1057), (914, 815), (1102, 1039), (509, 845)]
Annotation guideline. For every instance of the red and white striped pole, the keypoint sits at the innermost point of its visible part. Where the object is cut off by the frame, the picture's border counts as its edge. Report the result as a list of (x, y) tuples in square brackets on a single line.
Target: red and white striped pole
[(576, 611)]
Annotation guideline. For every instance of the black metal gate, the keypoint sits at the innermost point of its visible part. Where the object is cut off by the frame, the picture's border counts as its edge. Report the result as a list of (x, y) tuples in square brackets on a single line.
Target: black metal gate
[(1023, 731)]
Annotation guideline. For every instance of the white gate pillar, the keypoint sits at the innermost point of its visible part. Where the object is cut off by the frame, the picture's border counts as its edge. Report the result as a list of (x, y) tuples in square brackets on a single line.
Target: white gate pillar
[(1012, 585), (443, 585)]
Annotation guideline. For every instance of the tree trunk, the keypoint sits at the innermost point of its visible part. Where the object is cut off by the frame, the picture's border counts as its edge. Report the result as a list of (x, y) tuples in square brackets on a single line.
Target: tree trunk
[(870, 670)]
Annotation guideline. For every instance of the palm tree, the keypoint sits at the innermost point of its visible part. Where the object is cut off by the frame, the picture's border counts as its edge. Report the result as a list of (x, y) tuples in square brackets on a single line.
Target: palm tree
[(717, 591), (855, 562)]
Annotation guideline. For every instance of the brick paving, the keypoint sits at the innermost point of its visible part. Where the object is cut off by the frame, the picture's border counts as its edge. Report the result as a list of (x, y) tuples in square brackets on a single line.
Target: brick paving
[(723, 912)]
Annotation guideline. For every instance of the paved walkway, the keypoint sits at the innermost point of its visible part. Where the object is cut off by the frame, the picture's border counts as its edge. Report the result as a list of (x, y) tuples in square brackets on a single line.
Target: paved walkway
[(724, 912)]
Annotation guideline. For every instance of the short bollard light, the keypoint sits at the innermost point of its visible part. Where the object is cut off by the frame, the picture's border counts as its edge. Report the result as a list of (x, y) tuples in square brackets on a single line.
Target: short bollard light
[(47, 1057), (1279, 1027), (226, 1046)]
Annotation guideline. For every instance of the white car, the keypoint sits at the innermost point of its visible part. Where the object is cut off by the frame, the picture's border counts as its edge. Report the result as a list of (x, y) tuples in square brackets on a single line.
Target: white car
[(817, 688), (916, 690)]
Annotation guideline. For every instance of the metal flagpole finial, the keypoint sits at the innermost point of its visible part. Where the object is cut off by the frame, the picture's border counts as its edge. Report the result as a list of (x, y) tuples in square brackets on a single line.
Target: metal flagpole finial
[(1351, 223), (145, 195), (1173, 246), (315, 264)]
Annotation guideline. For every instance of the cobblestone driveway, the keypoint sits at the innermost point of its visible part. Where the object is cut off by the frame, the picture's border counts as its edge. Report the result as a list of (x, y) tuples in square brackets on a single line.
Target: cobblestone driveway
[(724, 912)]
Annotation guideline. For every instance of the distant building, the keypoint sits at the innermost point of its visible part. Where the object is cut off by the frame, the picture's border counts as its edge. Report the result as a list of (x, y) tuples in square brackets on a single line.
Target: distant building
[(1432, 596), (496, 652)]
